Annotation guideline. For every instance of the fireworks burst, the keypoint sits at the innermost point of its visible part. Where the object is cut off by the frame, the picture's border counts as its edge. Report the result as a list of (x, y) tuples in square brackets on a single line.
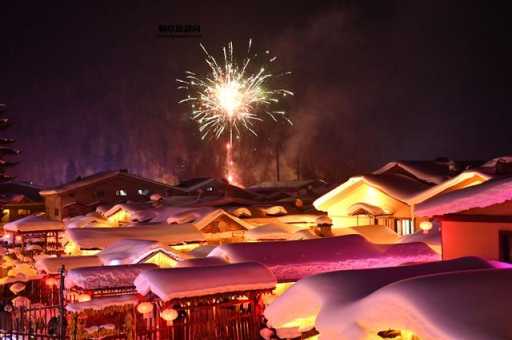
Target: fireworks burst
[(231, 97)]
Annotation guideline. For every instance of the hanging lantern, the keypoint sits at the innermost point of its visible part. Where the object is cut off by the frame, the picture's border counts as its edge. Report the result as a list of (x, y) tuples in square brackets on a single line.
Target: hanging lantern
[(169, 315), (17, 288), (426, 226), (84, 297), (20, 301), (145, 308), (51, 282)]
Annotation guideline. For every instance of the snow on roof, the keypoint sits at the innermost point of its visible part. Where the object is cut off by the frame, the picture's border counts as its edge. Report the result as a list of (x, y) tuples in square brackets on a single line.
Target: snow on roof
[(105, 276), (82, 221), (175, 283), (98, 177), (316, 294), (167, 214), (100, 238), (128, 251), (201, 262), (52, 265), (398, 186), (472, 304), (136, 210), (211, 216), (439, 188), (492, 192), (357, 208), (272, 231), (428, 171), (33, 223), (374, 233), (292, 260), (493, 162), (99, 303)]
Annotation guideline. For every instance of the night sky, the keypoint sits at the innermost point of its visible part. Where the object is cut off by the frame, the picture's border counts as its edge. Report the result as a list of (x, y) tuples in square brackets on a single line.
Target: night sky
[(93, 88)]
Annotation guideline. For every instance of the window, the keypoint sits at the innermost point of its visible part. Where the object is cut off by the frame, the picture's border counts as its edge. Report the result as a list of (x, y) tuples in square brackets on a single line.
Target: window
[(121, 192), (23, 212), (404, 226), (56, 212), (210, 189), (143, 192)]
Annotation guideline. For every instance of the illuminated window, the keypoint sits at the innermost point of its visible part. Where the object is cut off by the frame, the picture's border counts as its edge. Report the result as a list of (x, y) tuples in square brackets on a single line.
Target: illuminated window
[(121, 192), (143, 192), (23, 212)]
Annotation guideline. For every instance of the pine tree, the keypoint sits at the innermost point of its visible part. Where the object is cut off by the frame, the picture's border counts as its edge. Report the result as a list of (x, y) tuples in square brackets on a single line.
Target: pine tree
[(5, 150)]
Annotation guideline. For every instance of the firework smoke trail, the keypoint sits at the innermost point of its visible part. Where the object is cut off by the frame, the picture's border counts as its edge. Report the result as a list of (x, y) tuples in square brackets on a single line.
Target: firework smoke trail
[(231, 98)]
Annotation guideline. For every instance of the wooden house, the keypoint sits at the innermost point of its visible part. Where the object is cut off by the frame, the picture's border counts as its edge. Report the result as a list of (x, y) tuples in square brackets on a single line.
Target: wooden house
[(110, 187)]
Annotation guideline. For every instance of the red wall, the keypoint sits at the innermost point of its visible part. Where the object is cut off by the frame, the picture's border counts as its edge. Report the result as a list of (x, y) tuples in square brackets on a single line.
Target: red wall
[(472, 238)]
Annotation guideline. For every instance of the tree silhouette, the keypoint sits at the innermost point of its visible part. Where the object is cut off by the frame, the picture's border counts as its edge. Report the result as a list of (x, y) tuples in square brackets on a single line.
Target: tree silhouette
[(5, 150)]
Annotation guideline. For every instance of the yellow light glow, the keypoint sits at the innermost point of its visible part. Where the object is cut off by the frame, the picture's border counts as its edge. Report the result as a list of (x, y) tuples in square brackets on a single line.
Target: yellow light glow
[(119, 216), (71, 248), (162, 260), (304, 324), (281, 288), (185, 247), (229, 97)]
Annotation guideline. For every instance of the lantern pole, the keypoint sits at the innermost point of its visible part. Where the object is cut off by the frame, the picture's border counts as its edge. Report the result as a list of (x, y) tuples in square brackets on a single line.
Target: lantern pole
[(62, 312)]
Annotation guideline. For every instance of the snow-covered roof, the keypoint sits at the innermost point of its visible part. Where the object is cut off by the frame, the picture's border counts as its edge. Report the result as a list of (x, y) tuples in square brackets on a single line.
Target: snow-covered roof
[(138, 210), (398, 186), (373, 233), (205, 220), (82, 221), (52, 265), (292, 260), (100, 238), (472, 305), (427, 171), (99, 303), (460, 178), (175, 283), (34, 223), (105, 276), (357, 208), (317, 294), (98, 177), (492, 192), (128, 251)]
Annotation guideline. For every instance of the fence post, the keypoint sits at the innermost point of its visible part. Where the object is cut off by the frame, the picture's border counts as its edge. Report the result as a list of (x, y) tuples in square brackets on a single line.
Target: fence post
[(62, 311)]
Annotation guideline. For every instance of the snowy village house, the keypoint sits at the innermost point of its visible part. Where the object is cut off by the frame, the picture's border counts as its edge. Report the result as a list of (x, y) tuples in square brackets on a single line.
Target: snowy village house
[(475, 221), (388, 195), (84, 194)]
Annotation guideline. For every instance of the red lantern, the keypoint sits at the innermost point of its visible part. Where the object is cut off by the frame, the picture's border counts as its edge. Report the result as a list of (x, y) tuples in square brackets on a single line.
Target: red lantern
[(169, 315), (145, 308)]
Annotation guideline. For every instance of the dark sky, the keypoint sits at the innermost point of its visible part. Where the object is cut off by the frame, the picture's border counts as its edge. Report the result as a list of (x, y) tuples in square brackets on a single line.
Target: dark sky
[(93, 88)]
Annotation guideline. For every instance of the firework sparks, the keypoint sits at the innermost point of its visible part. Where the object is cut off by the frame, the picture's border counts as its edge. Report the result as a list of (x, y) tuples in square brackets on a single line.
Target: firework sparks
[(232, 96)]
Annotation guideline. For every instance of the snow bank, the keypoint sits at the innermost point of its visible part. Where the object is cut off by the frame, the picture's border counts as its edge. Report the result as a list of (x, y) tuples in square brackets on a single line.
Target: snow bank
[(273, 231), (33, 223), (314, 294), (293, 260), (105, 277), (99, 303), (52, 265), (373, 233), (470, 305), (175, 283), (100, 238)]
